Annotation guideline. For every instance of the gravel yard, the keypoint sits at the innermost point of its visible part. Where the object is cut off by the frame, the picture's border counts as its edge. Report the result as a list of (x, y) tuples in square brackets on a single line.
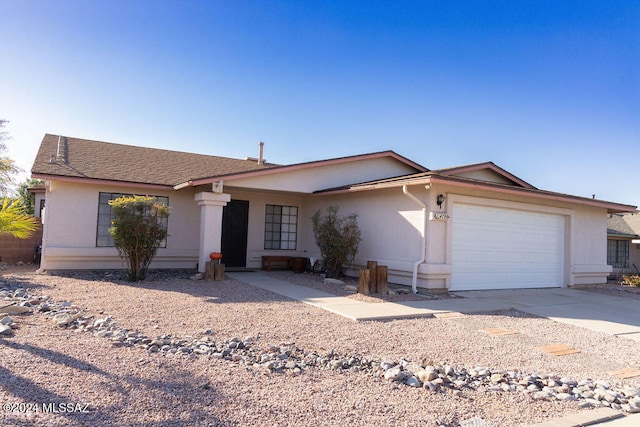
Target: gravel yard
[(128, 385)]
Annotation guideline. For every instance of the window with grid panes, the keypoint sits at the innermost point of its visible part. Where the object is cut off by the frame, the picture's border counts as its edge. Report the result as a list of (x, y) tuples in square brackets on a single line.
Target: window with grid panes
[(105, 216), (281, 227), (618, 253)]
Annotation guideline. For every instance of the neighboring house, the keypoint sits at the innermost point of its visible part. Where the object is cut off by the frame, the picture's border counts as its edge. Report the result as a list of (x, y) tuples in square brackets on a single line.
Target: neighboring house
[(469, 227), (38, 192), (623, 243)]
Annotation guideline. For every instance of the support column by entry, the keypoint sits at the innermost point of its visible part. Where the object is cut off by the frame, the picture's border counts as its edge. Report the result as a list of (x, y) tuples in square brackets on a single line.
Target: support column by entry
[(211, 205)]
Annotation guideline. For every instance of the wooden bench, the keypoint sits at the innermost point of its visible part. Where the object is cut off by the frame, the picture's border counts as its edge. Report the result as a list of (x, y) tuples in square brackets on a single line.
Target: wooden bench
[(268, 262)]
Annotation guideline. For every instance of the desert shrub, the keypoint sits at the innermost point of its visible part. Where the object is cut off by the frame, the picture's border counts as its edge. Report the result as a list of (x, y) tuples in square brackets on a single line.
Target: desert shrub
[(338, 239), (631, 280), (138, 228)]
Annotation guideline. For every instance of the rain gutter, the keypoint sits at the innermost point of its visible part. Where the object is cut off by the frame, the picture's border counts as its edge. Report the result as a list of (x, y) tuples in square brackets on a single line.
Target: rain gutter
[(423, 251)]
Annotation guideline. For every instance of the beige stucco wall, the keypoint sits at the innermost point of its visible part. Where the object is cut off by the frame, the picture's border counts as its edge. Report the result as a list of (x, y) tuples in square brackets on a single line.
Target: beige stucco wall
[(391, 225), (71, 217), (634, 257)]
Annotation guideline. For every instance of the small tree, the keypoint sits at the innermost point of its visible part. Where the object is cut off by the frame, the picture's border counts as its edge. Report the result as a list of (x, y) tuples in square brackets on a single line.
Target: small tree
[(138, 229), (338, 239), (15, 221), (8, 167)]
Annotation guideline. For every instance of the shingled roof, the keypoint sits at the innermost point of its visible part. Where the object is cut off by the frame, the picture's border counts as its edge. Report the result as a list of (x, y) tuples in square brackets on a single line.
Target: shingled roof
[(627, 225), (83, 158)]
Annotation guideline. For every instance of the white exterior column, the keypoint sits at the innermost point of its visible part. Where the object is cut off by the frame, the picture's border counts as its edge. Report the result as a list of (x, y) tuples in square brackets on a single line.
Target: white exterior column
[(211, 205)]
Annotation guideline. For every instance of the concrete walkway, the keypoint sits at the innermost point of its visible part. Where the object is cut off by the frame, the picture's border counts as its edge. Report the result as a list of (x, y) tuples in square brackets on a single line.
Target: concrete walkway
[(603, 313)]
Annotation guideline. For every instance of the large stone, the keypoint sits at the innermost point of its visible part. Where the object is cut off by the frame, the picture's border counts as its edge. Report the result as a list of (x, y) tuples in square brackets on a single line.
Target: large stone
[(393, 374), (565, 396), (426, 375), (413, 382), (497, 378), (62, 319), (413, 367), (6, 320), (15, 309), (290, 365), (430, 386), (6, 330), (542, 395)]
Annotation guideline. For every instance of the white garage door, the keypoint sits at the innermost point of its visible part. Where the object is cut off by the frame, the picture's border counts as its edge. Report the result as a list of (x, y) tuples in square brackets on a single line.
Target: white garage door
[(497, 248)]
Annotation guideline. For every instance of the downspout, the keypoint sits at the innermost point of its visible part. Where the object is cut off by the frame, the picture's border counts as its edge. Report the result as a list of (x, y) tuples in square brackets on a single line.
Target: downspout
[(414, 280), (45, 228)]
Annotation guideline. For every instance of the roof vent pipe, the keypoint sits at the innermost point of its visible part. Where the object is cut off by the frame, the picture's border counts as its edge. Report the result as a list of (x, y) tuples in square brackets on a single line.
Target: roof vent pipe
[(260, 159), (423, 247), (61, 153)]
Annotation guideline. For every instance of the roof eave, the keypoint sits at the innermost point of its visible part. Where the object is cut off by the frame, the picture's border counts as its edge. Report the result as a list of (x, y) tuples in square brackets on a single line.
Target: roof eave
[(501, 188), (611, 207), (101, 181), (624, 236)]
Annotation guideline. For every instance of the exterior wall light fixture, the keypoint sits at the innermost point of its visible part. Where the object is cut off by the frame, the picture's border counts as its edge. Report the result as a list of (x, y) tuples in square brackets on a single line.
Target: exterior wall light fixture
[(440, 200)]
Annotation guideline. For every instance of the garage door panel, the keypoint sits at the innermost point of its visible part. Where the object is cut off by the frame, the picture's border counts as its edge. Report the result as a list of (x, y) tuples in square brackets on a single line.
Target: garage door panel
[(496, 248)]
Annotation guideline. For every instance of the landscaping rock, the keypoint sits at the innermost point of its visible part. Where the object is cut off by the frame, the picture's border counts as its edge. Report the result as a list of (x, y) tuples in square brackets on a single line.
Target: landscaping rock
[(15, 309), (62, 319), (413, 382), (287, 358)]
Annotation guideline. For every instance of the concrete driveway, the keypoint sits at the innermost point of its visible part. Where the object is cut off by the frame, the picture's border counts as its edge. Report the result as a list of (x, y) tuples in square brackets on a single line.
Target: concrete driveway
[(604, 313)]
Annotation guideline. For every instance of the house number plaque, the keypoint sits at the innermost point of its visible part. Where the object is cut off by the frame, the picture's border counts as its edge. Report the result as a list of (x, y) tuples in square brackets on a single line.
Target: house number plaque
[(438, 216)]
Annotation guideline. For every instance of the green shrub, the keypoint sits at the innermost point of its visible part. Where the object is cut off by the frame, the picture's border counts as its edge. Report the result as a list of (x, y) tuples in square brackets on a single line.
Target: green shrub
[(338, 239), (631, 280), (138, 228)]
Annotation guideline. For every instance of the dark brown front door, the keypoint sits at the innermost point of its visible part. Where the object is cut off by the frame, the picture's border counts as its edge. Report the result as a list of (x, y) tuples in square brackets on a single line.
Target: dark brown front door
[(235, 226)]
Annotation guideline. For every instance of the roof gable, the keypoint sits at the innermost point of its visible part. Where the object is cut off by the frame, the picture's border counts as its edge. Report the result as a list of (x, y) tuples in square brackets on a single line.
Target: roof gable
[(487, 171), (338, 165), (75, 158)]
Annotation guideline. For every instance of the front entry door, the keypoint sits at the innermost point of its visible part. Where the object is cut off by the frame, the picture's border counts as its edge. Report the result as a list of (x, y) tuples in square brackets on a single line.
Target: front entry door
[(235, 225)]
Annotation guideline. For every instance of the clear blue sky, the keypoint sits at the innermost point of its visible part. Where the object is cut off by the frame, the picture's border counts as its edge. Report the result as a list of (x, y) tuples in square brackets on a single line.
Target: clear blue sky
[(549, 90)]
